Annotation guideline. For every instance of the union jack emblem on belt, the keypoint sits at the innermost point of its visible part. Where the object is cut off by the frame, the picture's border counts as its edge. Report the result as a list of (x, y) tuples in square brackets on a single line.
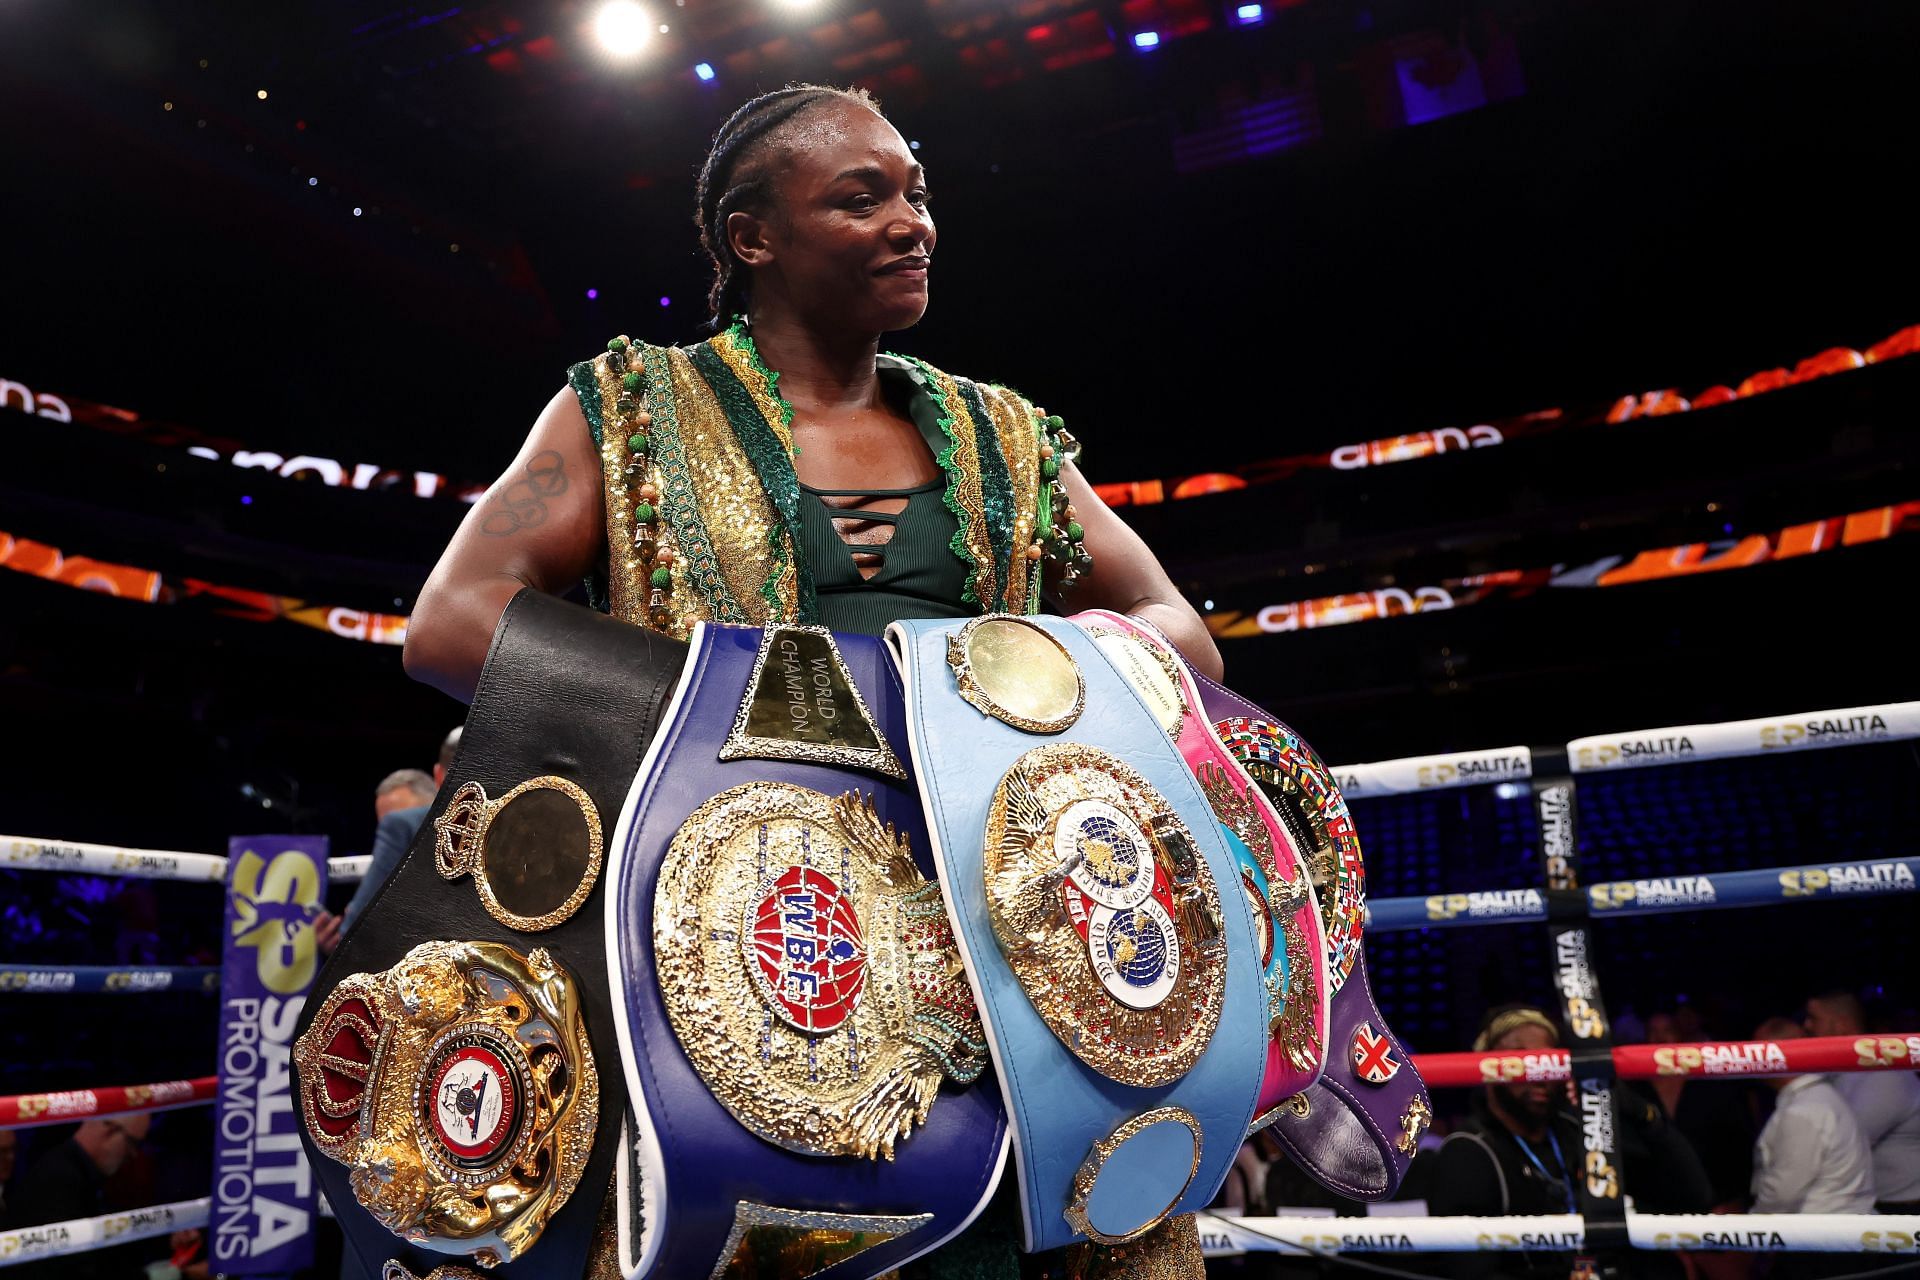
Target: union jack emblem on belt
[(1374, 1059)]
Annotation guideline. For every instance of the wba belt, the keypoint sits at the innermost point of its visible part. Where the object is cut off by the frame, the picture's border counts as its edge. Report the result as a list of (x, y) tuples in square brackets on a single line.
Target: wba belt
[(1356, 1130), (795, 1025), (458, 1082), (1093, 901), (1272, 874)]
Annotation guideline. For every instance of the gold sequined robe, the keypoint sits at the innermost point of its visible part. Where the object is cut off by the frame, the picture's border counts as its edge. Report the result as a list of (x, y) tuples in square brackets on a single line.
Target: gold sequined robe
[(716, 456)]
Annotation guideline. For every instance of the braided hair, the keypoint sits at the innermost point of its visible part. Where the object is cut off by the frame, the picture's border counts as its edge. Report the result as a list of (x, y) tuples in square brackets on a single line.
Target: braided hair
[(737, 177)]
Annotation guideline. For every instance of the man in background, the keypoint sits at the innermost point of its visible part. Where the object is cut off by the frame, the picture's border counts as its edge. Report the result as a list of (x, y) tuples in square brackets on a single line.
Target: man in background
[(1885, 1104), (1519, 1153), (400, 805), (70, 1181)]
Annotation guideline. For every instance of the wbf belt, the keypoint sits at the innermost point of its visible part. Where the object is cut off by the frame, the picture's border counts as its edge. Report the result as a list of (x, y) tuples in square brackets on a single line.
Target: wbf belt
[(1357, 1129), (1095, 905), (1272, 874), (458, 1081), (798, 1036)]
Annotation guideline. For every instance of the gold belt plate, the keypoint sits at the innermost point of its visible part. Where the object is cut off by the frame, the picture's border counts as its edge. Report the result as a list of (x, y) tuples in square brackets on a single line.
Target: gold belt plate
[(809, 970), (1106, 912)]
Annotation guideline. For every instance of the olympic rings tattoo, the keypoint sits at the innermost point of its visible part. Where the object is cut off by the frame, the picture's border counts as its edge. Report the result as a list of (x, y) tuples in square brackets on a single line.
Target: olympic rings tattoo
[(522, 504)]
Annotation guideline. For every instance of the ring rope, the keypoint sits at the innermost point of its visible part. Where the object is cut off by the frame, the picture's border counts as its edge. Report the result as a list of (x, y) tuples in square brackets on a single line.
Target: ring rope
[(111, 979), (1707, 1059), (1639, 749), (1865, 1233), (1698, 891), (32, 853), (25, 1110), (79, 1235)]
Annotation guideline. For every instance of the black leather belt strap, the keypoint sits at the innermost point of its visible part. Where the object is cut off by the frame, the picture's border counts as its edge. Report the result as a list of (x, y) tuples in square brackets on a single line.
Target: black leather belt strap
[(567, 692)]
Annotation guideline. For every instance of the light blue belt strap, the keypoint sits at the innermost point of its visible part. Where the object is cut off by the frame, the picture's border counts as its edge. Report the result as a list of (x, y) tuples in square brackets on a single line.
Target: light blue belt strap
[(1132, 1148)]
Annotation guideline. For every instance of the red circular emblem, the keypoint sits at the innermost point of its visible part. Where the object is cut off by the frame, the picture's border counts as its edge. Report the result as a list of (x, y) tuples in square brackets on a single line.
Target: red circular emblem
[(475, 1099), (806, 952)]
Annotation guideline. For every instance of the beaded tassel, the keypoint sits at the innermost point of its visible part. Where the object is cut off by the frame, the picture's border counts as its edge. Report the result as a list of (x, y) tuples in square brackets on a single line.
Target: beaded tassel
[(652, 549), (1062, 543)]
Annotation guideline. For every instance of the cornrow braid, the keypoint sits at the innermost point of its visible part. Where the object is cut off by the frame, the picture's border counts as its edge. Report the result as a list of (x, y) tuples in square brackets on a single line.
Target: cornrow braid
[(732, 179)]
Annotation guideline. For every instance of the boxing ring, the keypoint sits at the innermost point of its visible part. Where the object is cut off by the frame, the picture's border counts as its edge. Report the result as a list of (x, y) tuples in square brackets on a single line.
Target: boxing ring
[(1562, 901)]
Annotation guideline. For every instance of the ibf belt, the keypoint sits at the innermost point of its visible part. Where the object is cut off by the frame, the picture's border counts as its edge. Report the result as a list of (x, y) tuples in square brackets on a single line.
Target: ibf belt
[(1271, 874), (1094, 902), (797, 1033), (458, 1084), (1356, 1129)]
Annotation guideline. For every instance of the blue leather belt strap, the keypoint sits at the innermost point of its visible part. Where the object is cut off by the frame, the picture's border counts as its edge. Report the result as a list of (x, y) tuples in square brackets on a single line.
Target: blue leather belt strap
[(1061, 1107), (697, 1164)]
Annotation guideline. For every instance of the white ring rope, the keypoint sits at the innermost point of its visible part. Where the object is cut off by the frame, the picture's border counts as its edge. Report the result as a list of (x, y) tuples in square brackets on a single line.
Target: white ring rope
[(1564, 1233), (1814, 730), (1610, 752), (30, 1244), (35, 854)]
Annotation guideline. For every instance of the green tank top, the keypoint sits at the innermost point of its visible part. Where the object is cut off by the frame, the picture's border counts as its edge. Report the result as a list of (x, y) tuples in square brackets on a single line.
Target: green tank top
[(919, 577)]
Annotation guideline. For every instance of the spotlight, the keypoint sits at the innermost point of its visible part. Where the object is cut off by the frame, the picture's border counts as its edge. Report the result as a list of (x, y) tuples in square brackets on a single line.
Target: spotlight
[(1248, 14), (313, 182), (592, 294), (356, 211), (262, 95), (665, 301), (703, 70), (622, 27), (915, 144), (1146, 39)]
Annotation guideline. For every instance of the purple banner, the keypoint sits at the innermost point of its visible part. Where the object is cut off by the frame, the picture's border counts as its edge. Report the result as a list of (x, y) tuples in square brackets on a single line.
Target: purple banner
[(262, 1215)]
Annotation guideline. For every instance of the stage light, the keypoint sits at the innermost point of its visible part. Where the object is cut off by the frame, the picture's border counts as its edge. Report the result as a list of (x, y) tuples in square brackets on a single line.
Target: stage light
[(665, 301), (623, 28), (1248, 14), (356, 211), (915, 144), (262, 95), (1146, 39), (313, 182), (592, 294), (246, 499), (166, 106), (703, 70)]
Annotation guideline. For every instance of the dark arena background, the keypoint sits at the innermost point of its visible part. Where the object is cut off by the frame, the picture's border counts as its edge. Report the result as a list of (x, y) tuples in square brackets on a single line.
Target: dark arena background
[(1488, 374)]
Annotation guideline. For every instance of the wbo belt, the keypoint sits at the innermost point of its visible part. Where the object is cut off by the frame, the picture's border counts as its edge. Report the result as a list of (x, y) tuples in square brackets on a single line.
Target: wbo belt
[(1272, 874), (1358, 1127), (795, 1025), (456, 1063), (1092, 897)]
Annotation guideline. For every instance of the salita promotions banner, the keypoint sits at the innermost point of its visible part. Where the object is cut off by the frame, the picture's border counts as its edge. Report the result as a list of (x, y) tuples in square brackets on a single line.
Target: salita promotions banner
[(262, 1215)]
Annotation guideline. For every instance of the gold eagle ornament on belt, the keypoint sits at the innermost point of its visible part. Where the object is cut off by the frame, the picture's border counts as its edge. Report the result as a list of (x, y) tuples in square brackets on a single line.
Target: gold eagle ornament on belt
[(1107, 913), (459, 1088), (809, 970)]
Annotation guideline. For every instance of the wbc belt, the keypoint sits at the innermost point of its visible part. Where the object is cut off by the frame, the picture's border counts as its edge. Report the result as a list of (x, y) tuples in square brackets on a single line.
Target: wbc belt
[(1093, 900), (458, 1079), (797, 1034), (1272, 875), (1356, 1129)]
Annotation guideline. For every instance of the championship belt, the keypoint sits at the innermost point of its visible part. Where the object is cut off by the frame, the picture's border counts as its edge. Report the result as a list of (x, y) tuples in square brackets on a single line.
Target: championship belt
[(1271, 873), (1093, 900), (1355, 1130), (794, 1020), (456, 1065)]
